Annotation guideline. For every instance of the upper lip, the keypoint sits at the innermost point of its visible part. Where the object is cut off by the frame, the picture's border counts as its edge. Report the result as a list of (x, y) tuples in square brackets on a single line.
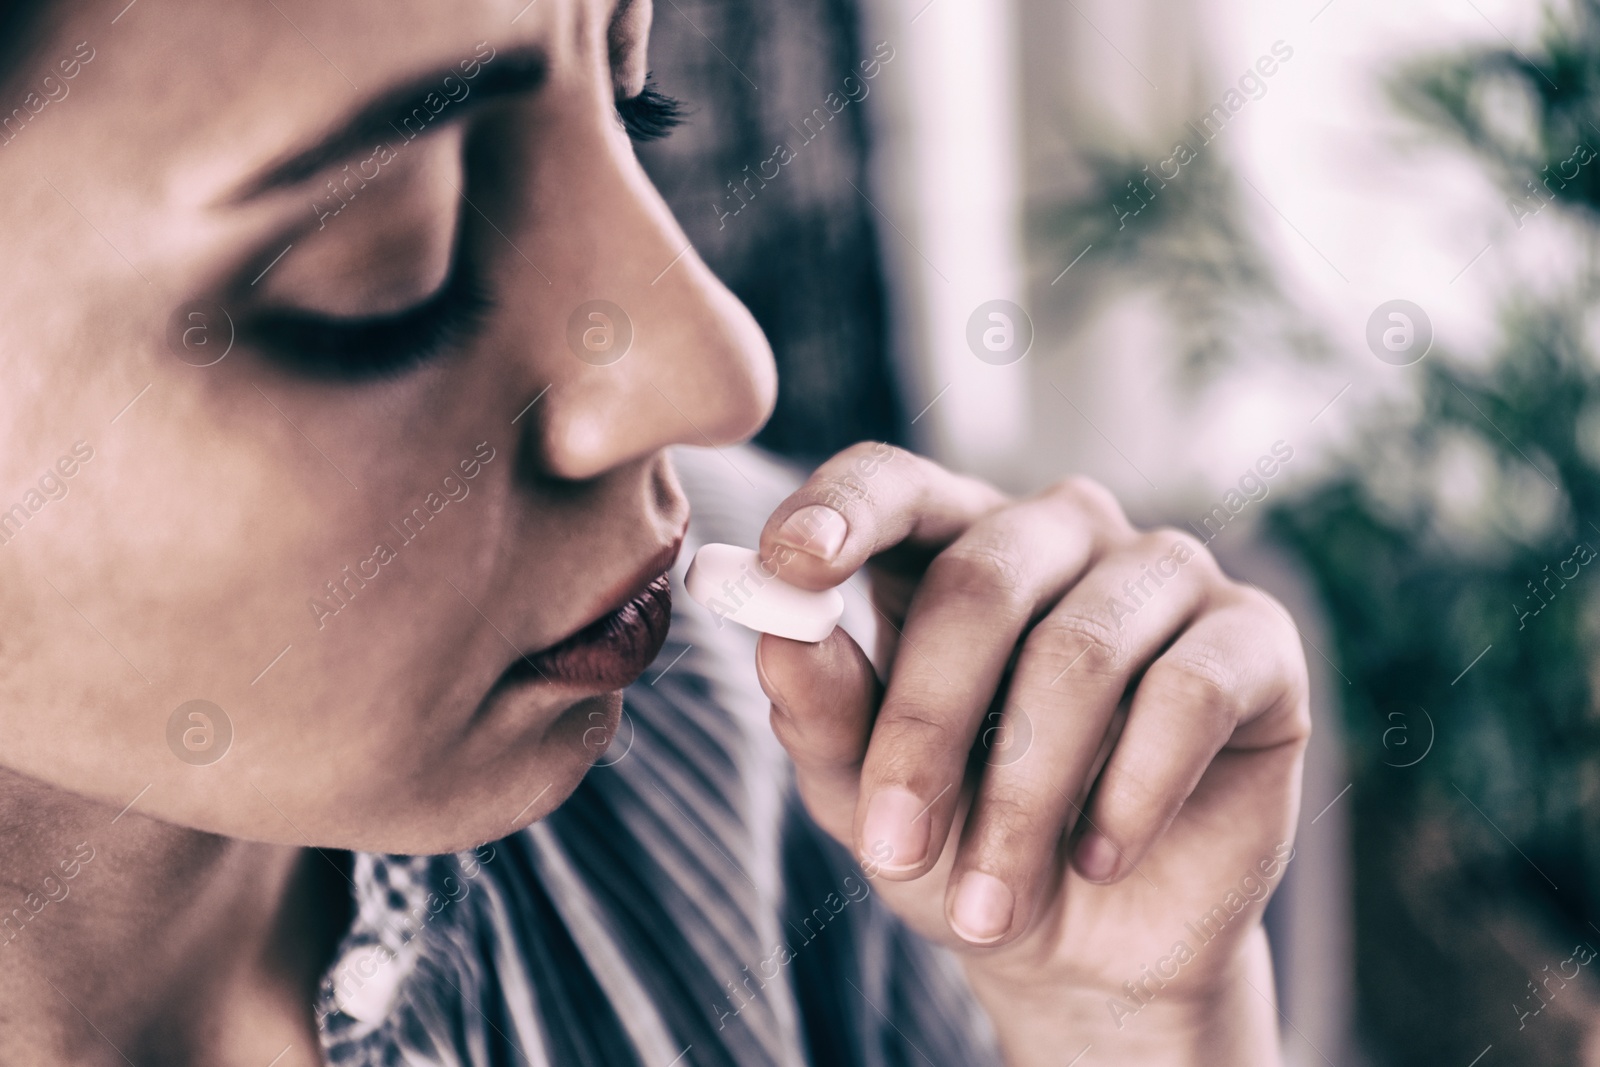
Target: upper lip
[(624, 591)]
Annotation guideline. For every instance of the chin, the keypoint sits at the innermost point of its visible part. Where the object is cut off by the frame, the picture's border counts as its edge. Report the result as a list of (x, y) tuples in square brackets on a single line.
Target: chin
[(519, 784)]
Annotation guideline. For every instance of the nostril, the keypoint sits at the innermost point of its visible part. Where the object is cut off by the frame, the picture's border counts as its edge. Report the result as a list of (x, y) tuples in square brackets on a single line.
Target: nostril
[(576, 441)]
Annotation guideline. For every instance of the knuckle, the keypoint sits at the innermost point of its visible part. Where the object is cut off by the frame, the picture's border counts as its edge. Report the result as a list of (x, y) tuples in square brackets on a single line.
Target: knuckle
[(1276, 625), (1149, 550), (845, 482), (911, 733), (1128, 806), (1182, 548), (1009, 817), (845, 493), (976, 571), (1094, 498), (1199, 677), (1175, 538), (1084, 639), (1268, 608)]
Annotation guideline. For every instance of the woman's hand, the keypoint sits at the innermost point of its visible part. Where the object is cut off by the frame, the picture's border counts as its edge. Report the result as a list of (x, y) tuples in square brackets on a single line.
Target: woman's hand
[(1084, 770)]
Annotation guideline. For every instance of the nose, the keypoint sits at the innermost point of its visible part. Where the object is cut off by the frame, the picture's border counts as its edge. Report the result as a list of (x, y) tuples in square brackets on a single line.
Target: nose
[(645, 347)]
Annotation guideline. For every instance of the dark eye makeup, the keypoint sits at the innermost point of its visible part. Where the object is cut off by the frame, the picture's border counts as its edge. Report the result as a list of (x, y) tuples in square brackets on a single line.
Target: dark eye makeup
[(358, 349)]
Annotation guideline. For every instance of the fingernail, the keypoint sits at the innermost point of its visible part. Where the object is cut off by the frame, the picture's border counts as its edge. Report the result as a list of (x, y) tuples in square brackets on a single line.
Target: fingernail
[(1097, 857), (982, 909), (895, 827), (816, 530)]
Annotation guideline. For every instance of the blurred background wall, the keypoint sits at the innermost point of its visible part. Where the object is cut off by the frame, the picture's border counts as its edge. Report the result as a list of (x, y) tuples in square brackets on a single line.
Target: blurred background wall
[(1156, 242)]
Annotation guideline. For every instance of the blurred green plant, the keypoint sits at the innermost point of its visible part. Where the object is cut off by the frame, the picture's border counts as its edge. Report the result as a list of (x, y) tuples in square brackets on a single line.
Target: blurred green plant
[(1466, 523), (1522, 118), (1184, 237), (1457, 552)]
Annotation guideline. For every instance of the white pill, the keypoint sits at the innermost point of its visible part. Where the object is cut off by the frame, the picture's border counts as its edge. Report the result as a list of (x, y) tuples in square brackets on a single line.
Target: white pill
[(731, 583)]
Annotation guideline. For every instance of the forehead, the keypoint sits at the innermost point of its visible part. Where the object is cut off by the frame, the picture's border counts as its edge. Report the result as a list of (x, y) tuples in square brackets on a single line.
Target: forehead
[(209, 89)]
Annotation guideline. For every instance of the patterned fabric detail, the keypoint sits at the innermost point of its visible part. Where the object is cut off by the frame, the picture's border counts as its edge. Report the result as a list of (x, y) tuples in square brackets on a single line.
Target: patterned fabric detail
[(679, 909)]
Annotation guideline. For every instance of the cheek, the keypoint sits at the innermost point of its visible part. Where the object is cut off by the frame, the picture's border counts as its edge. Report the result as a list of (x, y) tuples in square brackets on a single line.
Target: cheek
[(163, 560), (183, 562)]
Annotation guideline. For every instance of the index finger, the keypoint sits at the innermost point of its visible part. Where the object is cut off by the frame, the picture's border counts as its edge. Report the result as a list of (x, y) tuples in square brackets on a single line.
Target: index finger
[(864, 501)]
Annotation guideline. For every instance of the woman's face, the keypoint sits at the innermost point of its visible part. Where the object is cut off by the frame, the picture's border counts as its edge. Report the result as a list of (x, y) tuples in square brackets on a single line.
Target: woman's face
[(426, 454)]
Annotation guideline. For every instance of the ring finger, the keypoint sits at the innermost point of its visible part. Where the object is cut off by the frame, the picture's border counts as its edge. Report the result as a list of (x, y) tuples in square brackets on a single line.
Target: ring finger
[(1075, 668)]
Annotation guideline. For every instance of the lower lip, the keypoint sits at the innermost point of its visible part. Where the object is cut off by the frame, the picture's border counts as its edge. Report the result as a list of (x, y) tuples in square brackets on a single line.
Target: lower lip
[(609, 653)]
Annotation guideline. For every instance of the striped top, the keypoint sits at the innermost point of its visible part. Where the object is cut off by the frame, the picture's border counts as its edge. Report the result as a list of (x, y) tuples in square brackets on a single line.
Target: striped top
[(679, 909)]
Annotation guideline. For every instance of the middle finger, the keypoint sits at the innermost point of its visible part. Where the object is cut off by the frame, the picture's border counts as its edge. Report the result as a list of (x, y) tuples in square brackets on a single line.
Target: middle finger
[(1075, 669), (969, 612)]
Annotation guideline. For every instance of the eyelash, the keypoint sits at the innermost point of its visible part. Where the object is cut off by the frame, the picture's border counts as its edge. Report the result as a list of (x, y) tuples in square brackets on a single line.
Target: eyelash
[(651, 115), (323, 346)]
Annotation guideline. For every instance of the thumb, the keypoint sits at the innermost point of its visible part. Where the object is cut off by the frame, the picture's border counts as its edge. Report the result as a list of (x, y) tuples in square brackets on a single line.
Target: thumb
[(824, 699)]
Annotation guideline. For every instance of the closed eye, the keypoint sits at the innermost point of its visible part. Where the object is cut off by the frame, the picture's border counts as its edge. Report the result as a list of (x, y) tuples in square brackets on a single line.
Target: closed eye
[(651, 114), (357, 349)]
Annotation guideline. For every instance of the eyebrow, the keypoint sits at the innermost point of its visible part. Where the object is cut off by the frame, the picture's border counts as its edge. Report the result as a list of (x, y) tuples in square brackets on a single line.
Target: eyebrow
[(514, 72)]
